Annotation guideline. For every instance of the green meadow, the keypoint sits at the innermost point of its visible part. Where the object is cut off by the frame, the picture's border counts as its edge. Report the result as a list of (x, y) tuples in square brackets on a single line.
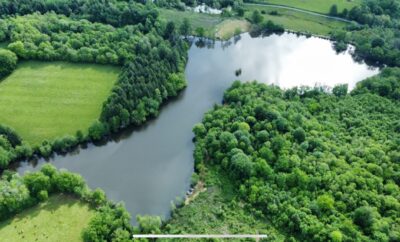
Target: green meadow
[(61, 218), (297, 21), (318, 6), (43, 101), (224, 28), (206, 21)]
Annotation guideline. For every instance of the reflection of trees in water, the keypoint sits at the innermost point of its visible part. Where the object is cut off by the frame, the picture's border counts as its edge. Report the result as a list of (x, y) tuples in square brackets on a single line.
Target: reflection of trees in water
[(256, 33), (237, 38), (205, 43), (226, 44), (210, 43)]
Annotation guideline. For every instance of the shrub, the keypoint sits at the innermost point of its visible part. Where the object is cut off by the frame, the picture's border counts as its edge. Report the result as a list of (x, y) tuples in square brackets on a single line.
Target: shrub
[(8, 62)]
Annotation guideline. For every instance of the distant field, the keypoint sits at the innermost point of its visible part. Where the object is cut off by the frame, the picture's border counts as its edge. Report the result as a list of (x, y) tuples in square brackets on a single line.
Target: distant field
[(216, 26), (47, 100), (319, 6), (207, 21), (297, 21), (61, 218)]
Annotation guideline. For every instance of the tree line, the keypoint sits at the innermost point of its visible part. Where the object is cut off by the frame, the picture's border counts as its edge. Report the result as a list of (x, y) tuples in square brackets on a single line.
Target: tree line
[(113, 12), (376, 34)]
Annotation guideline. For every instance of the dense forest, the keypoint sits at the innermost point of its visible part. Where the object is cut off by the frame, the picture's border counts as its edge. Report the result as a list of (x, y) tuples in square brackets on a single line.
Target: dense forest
[(317, 166), (113, 12)]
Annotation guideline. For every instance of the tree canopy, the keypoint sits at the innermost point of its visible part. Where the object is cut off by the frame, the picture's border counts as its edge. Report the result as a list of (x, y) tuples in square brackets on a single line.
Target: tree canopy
[(316, 166)]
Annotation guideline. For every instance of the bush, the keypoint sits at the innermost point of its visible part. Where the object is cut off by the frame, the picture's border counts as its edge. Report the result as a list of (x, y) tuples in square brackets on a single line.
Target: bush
[(8, 62), (299, 135), (340, 90), (365, 218), (149, 224), (97, 131)]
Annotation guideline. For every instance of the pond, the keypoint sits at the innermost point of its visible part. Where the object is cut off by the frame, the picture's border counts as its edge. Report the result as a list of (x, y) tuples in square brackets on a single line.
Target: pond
[(147, 168)]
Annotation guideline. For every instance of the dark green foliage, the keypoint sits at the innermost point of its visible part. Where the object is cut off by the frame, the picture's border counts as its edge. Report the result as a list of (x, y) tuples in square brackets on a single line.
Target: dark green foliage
[(200, 32), (114, 12), (376, 37), (149, 224), (18, 193), (10, 135), (185, 29), (299, 135), (365, 218), (271, 27), (145, 82), (333, 10), (55, 37), (340, 90), (97, 131), (240, 11), (386, 84), (256, 17), (311, 163), (110, 223), (11, 146), (8, 62)]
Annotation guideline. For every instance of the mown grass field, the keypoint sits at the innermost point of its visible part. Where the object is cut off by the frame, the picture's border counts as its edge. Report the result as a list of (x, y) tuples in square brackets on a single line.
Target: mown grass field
[(297, 21), (43, 101), (318, 6), (61, 218)]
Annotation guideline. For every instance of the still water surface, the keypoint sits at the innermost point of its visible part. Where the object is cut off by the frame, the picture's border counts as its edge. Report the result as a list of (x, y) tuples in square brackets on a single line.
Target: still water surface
[(149, 167)]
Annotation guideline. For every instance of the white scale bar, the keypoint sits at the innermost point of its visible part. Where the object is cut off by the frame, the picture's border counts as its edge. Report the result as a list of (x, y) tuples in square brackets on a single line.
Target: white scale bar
[(200, 236)]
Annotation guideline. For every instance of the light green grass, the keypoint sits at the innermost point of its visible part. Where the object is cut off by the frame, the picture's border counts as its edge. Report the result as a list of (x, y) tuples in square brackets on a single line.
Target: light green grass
[(318, 6), (216, 26), (227, 28), (299, 22), (206, 21), (61, 218), (43, 101)]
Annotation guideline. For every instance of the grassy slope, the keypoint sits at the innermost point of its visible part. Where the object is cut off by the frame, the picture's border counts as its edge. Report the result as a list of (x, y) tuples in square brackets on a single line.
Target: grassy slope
[(297, 21), (207, 21), (224, 28), (217, 211), (319, 6), (48, 100), (61, 218), (227, 28)]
